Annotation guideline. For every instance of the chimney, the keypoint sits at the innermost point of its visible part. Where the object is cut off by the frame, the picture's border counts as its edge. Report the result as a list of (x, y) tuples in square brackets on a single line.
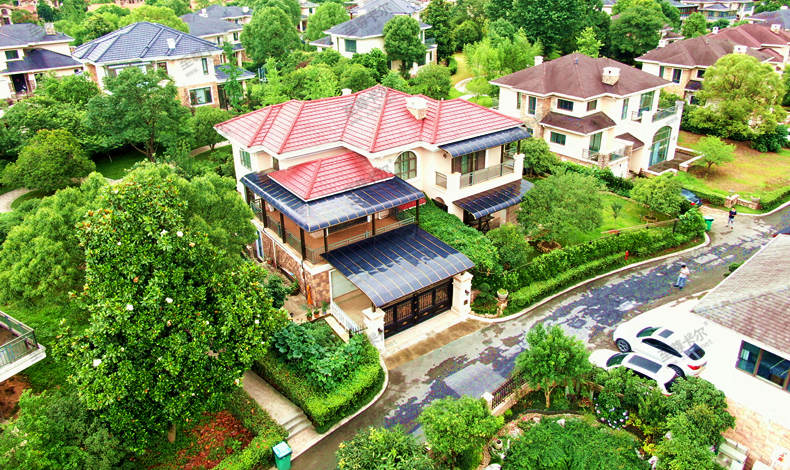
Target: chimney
[(739, 49), (345, 92), (49, 28), (715, 30), (171, 43), (610, 75), (204, 13), (417, 106), (538, 59), (776, 27), (662, 43)]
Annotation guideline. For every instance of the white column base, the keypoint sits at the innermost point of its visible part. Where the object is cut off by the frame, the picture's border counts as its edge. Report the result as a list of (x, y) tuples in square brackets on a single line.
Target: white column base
[(374, 327), (462, 293)]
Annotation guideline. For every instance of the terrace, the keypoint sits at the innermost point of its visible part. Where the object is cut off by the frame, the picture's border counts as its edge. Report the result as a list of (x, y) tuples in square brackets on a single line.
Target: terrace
[(19, 348)]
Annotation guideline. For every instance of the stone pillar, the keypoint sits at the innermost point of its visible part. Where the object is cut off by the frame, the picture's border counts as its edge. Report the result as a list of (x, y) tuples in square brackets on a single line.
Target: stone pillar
[(730, 201), (603, 160), (518, 163), (462, 293), (489, 400), (374, 324)]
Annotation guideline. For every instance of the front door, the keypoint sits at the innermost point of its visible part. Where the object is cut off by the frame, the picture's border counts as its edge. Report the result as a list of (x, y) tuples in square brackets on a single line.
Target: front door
[(20, 83), (417, 307)]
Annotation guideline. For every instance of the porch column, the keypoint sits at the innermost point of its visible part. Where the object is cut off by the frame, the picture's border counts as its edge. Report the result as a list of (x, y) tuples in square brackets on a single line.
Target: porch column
[(462, 293), (282, 227), (326, 242), (417, 212), (374, 324), (373, 224), (301, 242)]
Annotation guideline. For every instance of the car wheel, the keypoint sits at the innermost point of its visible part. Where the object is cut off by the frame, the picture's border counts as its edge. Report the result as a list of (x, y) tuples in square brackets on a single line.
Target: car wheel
[(623, 345), (678, 371)]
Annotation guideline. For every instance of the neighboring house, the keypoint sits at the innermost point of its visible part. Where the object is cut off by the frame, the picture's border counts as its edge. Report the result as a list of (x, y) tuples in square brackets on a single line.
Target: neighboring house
[(27, 51), (19, 348), (235, 14), (684, 62), (745, 325), (307, 8), (403, 7), (780, 17), (596, 112), (328, 181), (217, 32), (733, 10), (130, 4), (364, 33), (608, 5), (192, 63), (684, 7)]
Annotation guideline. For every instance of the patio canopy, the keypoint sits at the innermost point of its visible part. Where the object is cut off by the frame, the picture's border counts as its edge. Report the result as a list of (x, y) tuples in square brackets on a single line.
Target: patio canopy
[(501, 197), (336, 209), (463, 147), (397, 263)]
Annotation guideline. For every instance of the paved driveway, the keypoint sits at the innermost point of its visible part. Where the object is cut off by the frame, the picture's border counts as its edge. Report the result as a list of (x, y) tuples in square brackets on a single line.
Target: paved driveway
[(480, 361)]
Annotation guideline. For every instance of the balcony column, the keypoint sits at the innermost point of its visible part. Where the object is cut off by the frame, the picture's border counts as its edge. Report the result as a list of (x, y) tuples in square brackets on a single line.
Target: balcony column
[(326, 242), (462, 293), (518, 163), (374, 326), (373, 224)]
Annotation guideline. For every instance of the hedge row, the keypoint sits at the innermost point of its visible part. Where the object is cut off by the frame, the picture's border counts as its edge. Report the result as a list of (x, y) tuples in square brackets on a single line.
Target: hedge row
[(559, 269), (613, 183), (774, 199), (325, 410), (267, 434)]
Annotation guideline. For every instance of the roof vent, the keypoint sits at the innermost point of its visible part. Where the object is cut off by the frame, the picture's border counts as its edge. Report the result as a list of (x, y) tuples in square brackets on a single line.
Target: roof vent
[(245, 9), (538, 59), (204, 13), (776, 27), (739, 49), (417, 106), (345, 91), (715, 30), (171, 43), (49, 28), (662, 43), (610, 75)]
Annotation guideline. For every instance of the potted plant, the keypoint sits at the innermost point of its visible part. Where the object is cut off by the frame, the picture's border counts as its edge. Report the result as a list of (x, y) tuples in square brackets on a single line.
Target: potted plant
[(502, 294)]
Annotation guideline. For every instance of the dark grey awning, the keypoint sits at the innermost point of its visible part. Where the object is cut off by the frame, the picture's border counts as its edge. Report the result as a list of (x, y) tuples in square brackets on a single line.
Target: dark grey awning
[(463, 147), (496, 199)]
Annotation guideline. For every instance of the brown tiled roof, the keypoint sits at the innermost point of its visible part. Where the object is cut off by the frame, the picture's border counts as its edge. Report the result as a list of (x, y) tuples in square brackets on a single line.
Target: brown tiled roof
[(754, 35), (579, 75), (586, 125), (702, 51), (638, 144), (755, 299)]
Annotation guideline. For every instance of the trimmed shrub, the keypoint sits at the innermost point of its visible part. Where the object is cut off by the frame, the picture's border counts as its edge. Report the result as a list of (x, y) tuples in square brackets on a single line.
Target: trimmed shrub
[(325, 409), (774, 199), (613, 183), (267, 434)]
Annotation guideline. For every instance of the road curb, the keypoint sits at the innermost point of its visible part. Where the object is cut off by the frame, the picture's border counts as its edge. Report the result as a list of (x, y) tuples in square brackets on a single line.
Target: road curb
[(596, 278)]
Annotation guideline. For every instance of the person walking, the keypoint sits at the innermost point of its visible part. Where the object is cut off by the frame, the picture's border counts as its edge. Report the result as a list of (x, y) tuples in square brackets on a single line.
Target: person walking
[(731, 217), (683, 277)]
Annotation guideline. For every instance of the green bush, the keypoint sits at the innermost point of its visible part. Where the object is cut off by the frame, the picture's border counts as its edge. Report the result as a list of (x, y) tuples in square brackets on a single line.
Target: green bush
[(613, 183), (452, 64), (267, 434), (325, 409), (774, 199)]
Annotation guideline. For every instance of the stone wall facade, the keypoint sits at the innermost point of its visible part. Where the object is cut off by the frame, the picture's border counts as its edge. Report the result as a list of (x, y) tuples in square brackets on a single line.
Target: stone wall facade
[(282, 258), (761, 435)]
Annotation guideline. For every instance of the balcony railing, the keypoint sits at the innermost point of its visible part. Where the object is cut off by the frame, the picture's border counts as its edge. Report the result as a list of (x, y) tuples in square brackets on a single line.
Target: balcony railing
[(590, 155), (485, 174), (664, 113), (345, 320), (23, 344)]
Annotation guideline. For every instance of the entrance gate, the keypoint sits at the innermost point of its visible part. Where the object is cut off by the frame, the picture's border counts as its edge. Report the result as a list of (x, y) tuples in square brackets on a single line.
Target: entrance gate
[(417, 307)]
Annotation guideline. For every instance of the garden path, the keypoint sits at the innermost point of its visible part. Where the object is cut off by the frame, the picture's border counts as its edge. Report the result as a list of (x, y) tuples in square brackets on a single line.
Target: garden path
[(9, 197), (480, 361)]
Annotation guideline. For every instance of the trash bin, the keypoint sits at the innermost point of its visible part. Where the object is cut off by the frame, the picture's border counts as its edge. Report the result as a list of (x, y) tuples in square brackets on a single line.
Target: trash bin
[(282, 456), (708, 223)]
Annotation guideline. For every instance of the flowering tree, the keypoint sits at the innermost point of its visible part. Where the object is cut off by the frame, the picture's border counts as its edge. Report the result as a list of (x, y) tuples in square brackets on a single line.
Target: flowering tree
[(170, 331)]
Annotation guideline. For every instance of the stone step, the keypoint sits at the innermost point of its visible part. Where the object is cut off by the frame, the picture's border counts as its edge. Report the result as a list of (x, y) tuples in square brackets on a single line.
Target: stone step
[(299, 427), (337, 327)]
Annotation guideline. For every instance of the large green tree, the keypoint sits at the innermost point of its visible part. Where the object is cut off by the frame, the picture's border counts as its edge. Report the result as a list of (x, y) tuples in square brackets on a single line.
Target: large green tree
[(402, 41), (179, 7), (456, 427), (714, 151), (49, 161), (273, 90), (495, 56), (270, 33), (587, 43), (290, 7), (161, 15), (552, 359), (538, 158), (438, 14), (328, 14), (141, 110), (636, 31), (433, 81), (379, 448), (695, 25), (660, 194), (561, 205), (205, 119), (74, 89), (312, 82), (742, 98), (356, 77), (553, 23), (170, 332), (375, 61), (509, 240)]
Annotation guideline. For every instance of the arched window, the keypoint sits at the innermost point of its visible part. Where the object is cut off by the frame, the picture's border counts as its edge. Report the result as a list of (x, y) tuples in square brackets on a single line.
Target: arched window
[(660, 147), (406, 165)]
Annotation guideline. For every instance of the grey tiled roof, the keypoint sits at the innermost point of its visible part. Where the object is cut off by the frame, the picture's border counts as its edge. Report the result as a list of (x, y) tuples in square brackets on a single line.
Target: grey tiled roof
[(781, 17), (142, 40), (41, 59), (25, 34), (222, 75), (394, 6), (755, 299), (201, 26), (369, 24), (221, 11), (324, 41)]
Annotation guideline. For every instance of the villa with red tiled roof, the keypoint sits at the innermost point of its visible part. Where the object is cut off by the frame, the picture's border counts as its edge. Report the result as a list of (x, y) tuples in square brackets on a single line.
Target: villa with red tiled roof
[(330, 180)]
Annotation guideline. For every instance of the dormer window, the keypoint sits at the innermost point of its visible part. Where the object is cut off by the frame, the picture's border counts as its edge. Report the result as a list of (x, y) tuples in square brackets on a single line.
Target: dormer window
[(565, 105), (12, 55)]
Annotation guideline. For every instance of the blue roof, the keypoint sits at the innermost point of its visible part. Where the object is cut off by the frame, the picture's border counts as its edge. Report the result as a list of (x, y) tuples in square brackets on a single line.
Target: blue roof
[(223, 12), (496, 199), (202, 26), (28, 34), (143, 40), (335, 209), (367, 25), (463, 147), (397, 263), (223, 76), (41, 59)]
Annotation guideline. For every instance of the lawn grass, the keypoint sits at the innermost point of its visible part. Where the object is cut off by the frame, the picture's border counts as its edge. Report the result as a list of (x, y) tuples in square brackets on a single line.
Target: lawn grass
[(463, 68), (751, 174), (37, 194), (454, 93), (114, 164), (630, 215)]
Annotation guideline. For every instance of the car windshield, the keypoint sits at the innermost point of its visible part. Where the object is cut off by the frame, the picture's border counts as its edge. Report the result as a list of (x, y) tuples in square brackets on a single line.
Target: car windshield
[(669, 384), (646, 332), (615, 360), (695, 352)]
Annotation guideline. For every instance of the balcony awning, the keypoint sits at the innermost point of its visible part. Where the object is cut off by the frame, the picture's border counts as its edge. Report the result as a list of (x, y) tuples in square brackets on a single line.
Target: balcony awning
[(496, 199), (397, 263), (336, 209), (463, 147)]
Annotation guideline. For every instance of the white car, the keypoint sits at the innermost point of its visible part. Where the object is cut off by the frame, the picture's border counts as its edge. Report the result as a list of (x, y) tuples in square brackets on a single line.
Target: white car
[(640, 365), (682, 356)]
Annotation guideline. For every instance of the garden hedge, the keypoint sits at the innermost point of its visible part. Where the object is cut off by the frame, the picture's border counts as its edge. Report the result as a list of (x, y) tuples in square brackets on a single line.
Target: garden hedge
[(325, 410), (613, 183), (774, 199), (267, 434)]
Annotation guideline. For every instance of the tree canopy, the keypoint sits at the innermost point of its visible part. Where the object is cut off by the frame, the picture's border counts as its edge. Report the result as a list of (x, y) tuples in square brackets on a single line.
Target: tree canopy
[(402, 41), (695, 25), (270, 33), (438, 14), (161, 15), (377, 448), (538, 158), (356, 77), (636, 31), (552, 23), (204, 120), (587, 43), (660, 194), (327, 15), (714, 151), (433, 81), (312, 82)]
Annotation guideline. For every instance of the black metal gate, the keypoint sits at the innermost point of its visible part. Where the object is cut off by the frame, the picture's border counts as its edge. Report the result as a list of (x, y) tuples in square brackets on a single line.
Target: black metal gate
[(417, 307)]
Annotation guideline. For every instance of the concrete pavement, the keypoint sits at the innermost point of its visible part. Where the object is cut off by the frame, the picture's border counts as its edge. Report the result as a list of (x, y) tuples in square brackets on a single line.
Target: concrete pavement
[(481, 360)]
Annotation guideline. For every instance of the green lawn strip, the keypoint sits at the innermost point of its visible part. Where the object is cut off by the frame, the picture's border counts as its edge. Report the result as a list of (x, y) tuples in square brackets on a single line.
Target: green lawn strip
[(115, 164), (463, 69), (37, 194), (630, 215), (455, 93), (212, 159)]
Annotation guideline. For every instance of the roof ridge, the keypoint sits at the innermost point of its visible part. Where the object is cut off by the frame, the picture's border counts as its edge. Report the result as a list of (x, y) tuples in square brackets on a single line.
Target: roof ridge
[(291, 127), (151, 42), (113, 41), (269, 110), (348, 116), (381, 117), (436, 124), (313, 177)]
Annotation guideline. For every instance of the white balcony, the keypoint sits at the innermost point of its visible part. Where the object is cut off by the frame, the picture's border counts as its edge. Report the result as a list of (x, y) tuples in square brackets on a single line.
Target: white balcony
[(459, 185)]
